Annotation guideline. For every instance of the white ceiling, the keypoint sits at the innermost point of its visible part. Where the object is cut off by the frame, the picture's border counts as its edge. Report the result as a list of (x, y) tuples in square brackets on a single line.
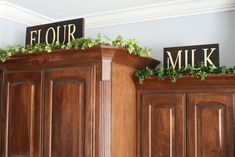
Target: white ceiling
[(105, 12), (63, 9)]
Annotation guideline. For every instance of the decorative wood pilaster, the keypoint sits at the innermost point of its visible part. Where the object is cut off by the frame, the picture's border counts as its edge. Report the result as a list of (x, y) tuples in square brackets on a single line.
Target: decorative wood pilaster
[(106, 105), (105, 119)]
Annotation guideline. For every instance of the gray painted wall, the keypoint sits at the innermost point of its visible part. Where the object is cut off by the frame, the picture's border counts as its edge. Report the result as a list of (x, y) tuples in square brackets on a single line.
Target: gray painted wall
[(11, 33), (190, 30)]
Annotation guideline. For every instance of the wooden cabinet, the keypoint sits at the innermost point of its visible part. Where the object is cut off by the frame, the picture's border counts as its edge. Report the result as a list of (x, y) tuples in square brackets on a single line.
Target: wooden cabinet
[(189, 118), (21, 113), (163, 124), (71, 103), (69, 99), (210, 124)]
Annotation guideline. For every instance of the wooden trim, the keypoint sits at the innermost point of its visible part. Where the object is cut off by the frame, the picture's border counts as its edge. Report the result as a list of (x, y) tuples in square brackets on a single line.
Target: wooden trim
[(74, 57), (105, 119), (217, 81)]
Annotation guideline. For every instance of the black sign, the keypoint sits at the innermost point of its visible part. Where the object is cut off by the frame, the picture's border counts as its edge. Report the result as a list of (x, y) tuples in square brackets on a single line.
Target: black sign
[(61, 32), (179, 57)]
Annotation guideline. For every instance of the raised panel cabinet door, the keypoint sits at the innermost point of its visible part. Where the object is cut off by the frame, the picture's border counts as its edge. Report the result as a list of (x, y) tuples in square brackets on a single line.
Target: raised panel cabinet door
[(210, 125), (21, 114), (69, 112), (163, 125)]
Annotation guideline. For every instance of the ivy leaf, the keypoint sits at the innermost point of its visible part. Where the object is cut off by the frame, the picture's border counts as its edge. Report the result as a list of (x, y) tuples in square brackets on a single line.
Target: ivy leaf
[(159, 73), (200, 71), (48, 48), (80, 43)]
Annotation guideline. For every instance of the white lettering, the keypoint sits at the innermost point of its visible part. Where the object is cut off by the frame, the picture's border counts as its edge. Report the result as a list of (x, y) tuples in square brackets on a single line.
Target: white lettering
[(170, 60), (207, 57), (186, 58), (193, 57), (71, 31), (39, 36), (32, 37), (65, 30)]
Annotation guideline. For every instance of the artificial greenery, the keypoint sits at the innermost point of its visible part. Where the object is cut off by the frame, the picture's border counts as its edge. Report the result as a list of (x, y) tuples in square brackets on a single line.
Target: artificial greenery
[(200, 71), (80, 43)]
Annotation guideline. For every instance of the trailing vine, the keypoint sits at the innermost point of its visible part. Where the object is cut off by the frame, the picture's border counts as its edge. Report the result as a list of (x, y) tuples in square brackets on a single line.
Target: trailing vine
[(80, 43), (200, 71)]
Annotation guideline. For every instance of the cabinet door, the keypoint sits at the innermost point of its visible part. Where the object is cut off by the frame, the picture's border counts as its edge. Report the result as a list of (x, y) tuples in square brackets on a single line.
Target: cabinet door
[(163, 125), (210, 125), (21, 114), (69, 112)]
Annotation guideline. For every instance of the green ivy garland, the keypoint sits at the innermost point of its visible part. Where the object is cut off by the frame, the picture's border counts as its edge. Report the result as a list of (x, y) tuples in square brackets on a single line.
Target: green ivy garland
[(200, 71), (80, 43)]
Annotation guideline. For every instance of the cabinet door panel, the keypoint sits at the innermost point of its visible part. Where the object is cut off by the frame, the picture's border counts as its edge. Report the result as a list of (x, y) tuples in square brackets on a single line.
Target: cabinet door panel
[(69, 111), (21, 114), (210, 125), (163, 125)]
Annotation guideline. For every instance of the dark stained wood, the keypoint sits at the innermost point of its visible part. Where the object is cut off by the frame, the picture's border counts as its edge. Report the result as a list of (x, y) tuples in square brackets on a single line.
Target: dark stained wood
[(163, 125), (224, 83), (210, 113), (72, 56), (124, 111), (121, 128), (88, 102), (69, 111), (210, 124), (105, 119), (21, 114)]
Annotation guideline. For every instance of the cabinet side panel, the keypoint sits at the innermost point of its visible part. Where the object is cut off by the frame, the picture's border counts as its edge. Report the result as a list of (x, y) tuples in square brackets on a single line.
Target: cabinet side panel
[(123, 112)]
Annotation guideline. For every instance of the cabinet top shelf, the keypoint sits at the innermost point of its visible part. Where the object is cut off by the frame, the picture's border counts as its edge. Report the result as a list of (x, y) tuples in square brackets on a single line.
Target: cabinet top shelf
[(95, 54), (188, 82)]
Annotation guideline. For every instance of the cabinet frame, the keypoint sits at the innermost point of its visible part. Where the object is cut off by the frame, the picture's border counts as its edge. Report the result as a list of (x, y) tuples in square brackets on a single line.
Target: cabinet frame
[(113, 69), (214, 84), (176, 128)]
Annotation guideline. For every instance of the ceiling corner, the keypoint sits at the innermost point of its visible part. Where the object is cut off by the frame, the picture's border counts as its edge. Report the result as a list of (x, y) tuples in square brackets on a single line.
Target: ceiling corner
[(21, 15)]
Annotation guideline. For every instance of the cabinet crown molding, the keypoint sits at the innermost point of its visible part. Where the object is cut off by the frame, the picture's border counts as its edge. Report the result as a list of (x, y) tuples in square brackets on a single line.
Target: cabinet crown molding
[(95, 53), (222, 81)]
